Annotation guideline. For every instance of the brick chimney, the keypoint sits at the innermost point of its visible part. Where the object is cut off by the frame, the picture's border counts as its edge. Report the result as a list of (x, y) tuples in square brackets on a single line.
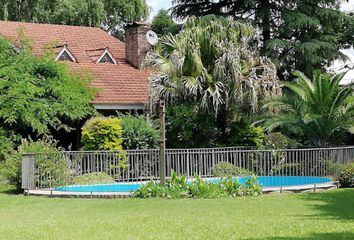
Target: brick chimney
[(136, 44)]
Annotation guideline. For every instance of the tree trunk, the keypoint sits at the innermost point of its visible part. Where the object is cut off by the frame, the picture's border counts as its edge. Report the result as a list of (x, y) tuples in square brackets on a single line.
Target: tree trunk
[(223, 121), (264, 16)]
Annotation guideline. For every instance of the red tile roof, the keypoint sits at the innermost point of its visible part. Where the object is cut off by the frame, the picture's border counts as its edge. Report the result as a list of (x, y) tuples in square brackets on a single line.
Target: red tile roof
[(117, 84)]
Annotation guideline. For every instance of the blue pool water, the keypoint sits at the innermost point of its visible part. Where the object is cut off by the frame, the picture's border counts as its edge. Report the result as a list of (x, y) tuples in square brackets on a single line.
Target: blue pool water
[(265, 181)]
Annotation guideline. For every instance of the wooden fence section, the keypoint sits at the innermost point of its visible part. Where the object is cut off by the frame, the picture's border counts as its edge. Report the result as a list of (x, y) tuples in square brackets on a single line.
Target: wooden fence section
[(46, 171)]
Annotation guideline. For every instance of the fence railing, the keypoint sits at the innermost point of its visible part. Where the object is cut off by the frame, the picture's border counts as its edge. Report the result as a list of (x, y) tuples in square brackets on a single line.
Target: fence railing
[(44, 171)]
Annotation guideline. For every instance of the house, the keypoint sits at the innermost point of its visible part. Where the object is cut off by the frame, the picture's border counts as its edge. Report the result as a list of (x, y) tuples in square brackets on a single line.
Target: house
[(115, 65)]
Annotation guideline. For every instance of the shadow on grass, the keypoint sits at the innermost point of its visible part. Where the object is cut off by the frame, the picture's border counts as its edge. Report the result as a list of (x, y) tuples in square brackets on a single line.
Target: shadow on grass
[(324, 236), (336, 204), (333, 204)]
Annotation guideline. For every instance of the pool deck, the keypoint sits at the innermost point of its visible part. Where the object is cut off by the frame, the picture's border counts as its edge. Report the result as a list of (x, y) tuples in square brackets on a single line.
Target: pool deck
[(63, 194), (266, 190), (301, 188)]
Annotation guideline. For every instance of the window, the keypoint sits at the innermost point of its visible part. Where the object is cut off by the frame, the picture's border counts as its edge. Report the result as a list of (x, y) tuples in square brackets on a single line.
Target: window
[(65, 55), (107, 57)]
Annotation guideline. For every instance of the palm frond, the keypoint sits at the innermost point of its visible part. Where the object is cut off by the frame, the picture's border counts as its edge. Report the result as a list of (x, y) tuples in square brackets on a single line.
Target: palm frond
[(212, 62), (321, 108)]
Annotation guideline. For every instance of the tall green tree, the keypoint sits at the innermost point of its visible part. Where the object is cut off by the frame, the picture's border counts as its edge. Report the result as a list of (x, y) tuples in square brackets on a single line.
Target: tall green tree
[(119, 12), (212, 62), (319, 111), (111, 15), (78, 12), (38, 95), (297, 35), (163, 24), (27, 10)]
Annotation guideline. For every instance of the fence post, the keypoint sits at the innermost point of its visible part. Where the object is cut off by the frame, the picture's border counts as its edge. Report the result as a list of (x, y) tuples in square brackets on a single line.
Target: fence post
[(28, 169), (162, 142), (188, 170)]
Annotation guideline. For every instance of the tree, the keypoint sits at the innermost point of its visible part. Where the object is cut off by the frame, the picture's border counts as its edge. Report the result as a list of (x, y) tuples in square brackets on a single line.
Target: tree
[(212, 62), (163, 24), (38, 95), (111, 15), (297, 35), (119, 12), (317, 110), (27, 10), (188, 127), (78, 13)]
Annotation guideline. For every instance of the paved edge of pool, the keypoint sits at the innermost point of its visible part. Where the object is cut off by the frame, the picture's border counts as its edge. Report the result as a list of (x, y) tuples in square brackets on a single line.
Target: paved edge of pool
[(266, 190)]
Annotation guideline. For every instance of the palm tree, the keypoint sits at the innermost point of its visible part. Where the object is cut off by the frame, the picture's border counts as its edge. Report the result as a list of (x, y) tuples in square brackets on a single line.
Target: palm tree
[(319, 110), (214, 62)]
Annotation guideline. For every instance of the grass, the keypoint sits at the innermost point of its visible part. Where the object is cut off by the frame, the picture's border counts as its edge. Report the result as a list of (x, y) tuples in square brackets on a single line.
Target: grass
[(324, 215)]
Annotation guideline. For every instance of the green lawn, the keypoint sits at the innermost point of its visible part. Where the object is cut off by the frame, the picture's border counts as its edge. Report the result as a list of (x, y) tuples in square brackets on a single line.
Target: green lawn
[(325, 215)]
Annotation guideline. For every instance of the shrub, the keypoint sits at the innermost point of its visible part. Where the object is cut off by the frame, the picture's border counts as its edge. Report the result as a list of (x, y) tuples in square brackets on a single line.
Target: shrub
[(199, 188), (226, 169), (277, 140), (138, 133), (105, 133), (326, 167), (149, 190), (6, 144), (176, 187), (231, 187), (188, 126), (93, 178), (252, 187), (243, 134), (102, 133), (53, 170), (286, 169), (346, 176), (179, 187), (323, 166), (10, 170)]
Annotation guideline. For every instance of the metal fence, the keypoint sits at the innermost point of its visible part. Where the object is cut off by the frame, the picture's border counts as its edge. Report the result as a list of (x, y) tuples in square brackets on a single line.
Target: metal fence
[(45, 171)]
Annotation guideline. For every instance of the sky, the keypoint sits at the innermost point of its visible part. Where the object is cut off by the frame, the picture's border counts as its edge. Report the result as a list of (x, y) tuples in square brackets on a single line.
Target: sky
[(345, 6), (156, 5), (349, 77)]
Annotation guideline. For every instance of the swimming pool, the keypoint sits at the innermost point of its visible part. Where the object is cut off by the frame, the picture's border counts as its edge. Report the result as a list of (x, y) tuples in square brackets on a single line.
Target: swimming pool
[(265, 181)]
